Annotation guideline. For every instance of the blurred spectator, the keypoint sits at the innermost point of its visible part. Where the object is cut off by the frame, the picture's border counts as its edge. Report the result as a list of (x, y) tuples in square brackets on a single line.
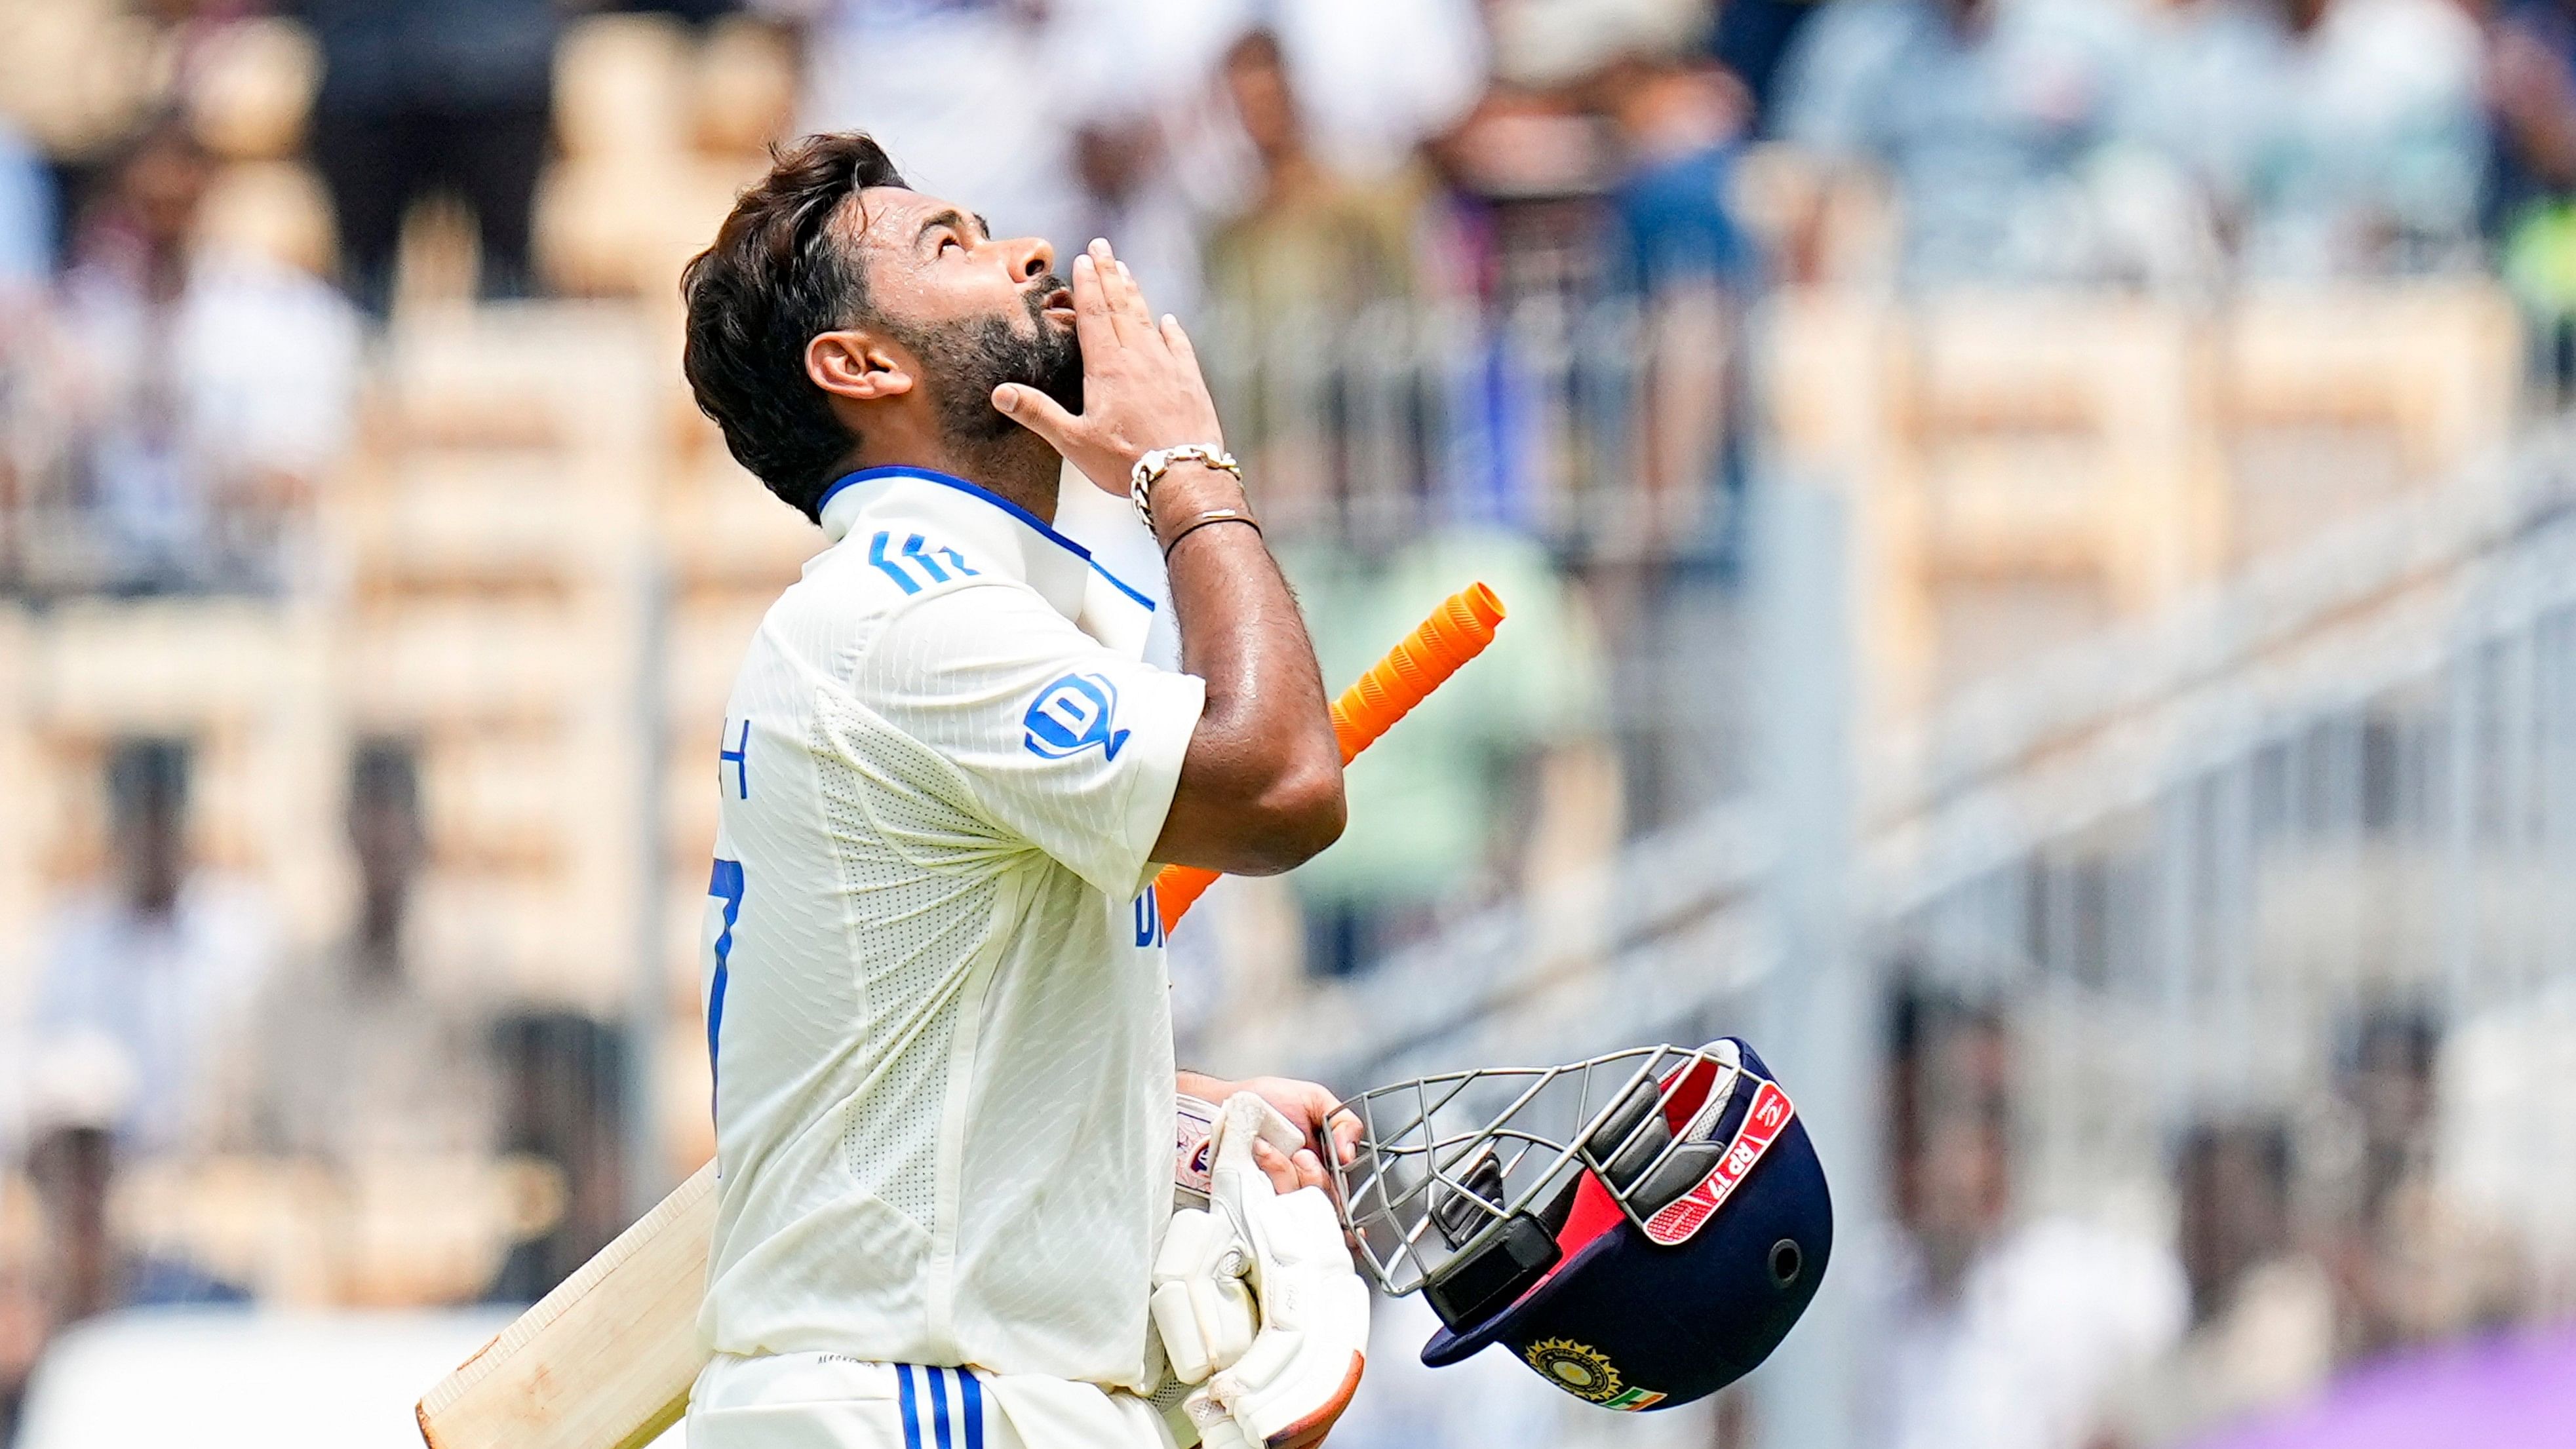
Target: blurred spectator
[(964, 94), (364, 1049), (24, 1323), (2387, 1081), (2198, 104), (209, 390), (1131, 196), (2501, 1150), (1679, 124), (1155, 162), (2262, 1309), (455, 97), (160, 962), (1517, 214), (1981, 114), (1307, 253), (1678, 243), (1310, 241), (26, 220), (81, 1083), (2334, 137), (1999, 1335), (1499, 781), (2531, 93), (2411, 1265), (1375, 77), (1752, 38), (71, 1167), (563, 1079)]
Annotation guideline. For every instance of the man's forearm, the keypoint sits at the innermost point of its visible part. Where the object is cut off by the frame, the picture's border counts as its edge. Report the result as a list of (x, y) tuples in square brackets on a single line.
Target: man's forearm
[(1261, 787)]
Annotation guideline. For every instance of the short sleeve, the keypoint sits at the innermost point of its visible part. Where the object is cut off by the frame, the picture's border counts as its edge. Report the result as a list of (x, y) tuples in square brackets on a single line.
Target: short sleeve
[(1067, 744)]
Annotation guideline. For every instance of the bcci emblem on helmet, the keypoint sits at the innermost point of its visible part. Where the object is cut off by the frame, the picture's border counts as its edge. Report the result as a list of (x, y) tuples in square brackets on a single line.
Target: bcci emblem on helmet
[(1587, 1373), (1072, 715)]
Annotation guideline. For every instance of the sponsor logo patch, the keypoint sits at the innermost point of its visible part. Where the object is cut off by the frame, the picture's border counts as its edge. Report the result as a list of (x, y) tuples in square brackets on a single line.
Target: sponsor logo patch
[(1191, 1163), (1072, 715), (1688, 1213)]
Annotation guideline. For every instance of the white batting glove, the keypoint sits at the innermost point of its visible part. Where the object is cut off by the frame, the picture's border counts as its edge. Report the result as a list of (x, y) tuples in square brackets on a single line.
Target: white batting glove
[(1286, 1390), (1202, 1306)]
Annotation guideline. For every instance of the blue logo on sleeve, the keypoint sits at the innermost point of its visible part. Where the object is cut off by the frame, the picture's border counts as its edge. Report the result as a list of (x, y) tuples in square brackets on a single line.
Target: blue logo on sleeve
[(1072, 715)]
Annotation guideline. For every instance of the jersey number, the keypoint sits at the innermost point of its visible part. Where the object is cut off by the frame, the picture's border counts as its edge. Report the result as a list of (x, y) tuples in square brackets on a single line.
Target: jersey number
[(725, 885)]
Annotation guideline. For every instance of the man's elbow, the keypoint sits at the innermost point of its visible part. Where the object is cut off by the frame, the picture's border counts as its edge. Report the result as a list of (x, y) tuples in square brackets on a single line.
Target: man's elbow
[(1298, 816)]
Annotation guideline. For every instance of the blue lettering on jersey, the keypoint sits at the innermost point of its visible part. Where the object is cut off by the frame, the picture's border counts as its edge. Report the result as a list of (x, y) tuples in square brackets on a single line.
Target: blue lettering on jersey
[(1149, 918), (916, 554), (739, 757), (887, 566), (1072, 715)]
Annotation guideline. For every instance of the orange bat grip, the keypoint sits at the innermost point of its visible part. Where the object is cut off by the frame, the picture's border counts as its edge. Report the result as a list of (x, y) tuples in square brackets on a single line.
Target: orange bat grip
[(1456, 632)]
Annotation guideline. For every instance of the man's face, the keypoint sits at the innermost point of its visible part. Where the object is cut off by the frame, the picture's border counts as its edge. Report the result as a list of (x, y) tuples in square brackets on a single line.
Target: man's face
[(1960, 1176), (386, 837), (152, 848), (1263, 103), (975, 312), (163, 185)]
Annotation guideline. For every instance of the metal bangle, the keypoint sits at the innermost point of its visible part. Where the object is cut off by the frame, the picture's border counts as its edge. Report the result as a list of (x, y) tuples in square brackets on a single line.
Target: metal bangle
[(1149, 470), (1212, 516)]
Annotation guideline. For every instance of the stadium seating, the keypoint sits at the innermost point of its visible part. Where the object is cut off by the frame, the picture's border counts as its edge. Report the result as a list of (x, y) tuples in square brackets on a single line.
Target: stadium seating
[(643, 111), (245, 684), (494, 528), (2334, 399), (2026, 467)]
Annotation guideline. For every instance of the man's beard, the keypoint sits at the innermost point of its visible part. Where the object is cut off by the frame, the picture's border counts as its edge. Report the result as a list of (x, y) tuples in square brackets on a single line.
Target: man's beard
[(970, 358)]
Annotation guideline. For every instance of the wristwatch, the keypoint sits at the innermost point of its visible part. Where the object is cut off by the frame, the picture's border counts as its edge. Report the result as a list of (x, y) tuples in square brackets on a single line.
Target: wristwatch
[(1150, 469)]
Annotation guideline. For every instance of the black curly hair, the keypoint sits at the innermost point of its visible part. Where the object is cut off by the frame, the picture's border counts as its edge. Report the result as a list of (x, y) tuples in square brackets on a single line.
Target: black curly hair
[(776, 278)]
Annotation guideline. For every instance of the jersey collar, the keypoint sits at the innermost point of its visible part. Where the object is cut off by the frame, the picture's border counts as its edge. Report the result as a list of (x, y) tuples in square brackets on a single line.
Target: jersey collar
[(992, 527)]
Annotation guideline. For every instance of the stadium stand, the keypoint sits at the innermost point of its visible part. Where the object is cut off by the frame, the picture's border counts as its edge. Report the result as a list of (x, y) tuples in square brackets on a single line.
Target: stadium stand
[(2026, 468), (493, 521)]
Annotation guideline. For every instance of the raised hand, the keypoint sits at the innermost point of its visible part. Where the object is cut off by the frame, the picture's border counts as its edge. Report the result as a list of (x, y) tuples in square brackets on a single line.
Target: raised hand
[(1141, 386)]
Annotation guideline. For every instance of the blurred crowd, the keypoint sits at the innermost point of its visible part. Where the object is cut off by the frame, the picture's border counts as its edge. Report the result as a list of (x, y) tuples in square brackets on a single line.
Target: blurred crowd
[(212, 213), (190, 264), (203, 1114), (2290, 1242)]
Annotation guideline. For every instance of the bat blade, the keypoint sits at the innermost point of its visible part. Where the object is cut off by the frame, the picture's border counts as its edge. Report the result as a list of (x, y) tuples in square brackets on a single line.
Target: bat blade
[(605, 1360)]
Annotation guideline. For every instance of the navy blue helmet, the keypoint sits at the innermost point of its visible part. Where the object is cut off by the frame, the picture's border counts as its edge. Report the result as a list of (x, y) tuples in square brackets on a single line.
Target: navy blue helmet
[(1641, 1229)]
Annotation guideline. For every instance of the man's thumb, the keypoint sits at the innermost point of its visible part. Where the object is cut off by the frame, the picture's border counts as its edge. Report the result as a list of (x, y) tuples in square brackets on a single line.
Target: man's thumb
[(1036, 412)]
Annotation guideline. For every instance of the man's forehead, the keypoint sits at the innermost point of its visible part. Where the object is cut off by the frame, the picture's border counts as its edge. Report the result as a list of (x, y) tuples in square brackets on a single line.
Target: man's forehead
[(893, 215)]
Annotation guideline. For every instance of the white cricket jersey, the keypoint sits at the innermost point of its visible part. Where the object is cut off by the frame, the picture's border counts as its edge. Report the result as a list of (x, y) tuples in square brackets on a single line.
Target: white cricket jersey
[(933, 973)]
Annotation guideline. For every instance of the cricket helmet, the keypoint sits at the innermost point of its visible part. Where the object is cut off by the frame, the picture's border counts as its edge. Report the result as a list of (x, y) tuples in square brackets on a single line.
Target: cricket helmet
[(1642, 1228)]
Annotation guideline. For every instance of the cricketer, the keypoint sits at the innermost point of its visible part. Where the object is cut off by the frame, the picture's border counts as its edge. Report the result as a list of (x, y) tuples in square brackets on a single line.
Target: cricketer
[(936, 998)]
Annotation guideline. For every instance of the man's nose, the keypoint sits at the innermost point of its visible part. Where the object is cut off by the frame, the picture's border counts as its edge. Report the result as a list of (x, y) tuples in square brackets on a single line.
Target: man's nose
[(1031, 258)]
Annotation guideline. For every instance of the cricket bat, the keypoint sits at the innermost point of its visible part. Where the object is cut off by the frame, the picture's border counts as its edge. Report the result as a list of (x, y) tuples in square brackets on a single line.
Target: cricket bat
[(606, 1360)]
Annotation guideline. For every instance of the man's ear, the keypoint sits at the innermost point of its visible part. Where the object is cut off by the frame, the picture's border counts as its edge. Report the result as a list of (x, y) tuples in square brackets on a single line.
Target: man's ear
[(857, 365)]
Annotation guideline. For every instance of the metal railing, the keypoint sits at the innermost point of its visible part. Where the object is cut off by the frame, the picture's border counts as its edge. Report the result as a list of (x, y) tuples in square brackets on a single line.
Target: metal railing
[(1609, 430), (2208, 865)]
